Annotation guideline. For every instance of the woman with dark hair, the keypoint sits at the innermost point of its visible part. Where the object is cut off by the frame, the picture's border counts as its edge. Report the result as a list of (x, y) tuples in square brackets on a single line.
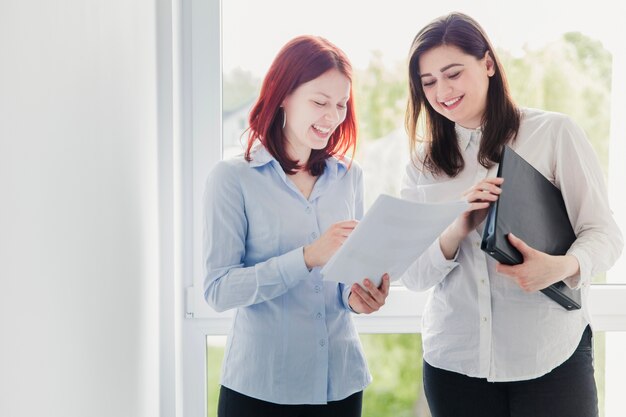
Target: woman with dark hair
[(273, 217), (494, 345)]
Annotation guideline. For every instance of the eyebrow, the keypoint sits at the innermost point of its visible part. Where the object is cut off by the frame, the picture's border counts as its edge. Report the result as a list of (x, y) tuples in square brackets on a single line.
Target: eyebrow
[(428, 74), (329, 97)]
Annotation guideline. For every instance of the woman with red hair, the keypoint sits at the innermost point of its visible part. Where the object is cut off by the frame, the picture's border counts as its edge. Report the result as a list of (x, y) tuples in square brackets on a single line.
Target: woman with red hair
[(273, 218)]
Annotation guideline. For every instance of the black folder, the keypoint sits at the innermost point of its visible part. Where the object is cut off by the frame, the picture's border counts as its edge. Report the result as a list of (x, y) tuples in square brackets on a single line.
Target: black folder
[(531, 208)]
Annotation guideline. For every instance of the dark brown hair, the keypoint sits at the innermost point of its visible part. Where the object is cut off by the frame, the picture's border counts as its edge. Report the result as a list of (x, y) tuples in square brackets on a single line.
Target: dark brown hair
[(500, 121)]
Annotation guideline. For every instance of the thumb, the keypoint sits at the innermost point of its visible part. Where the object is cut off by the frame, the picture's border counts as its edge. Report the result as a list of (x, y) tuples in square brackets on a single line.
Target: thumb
[(520, 245)]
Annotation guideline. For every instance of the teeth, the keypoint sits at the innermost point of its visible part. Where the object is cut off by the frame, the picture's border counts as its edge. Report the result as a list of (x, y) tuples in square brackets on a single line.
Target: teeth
[(451, 102), (321, 129)]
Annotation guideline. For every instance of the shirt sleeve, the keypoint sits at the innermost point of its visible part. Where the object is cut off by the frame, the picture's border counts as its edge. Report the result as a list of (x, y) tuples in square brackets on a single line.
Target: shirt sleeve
[(578, 174), (431, 267), (227, 283), (359, 211)]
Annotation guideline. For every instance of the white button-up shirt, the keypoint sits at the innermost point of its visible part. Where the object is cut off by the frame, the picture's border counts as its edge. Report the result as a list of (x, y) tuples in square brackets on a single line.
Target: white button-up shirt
[(480, 323)]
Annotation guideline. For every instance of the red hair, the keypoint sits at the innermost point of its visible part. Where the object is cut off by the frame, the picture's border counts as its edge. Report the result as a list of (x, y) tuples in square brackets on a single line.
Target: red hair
[(301, 60)]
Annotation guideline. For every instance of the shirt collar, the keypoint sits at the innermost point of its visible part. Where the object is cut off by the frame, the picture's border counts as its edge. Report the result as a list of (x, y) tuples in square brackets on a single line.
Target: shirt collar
[(466, 135), (335, 167), (260, 156)]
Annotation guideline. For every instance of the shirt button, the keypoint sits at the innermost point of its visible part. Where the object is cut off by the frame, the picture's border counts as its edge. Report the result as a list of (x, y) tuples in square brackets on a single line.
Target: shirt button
[(308, 209), (477, 244), (482, 281), (485, 319), (318, 315), (322, 342), (313, 235), (318, 288)]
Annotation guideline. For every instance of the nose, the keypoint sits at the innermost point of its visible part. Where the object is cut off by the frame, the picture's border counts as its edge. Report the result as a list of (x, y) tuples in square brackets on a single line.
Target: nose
[(332, 114), (443, 88)]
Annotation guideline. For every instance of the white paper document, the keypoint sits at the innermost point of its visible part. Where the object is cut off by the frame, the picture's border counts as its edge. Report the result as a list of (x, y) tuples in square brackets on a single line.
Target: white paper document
[(390, 237)]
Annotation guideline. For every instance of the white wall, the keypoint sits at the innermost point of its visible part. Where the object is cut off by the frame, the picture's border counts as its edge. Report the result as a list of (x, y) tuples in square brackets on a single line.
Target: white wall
[(79, 264)]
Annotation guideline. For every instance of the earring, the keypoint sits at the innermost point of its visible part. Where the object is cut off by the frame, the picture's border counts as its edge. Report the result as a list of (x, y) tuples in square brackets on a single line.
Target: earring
[(284, 118)]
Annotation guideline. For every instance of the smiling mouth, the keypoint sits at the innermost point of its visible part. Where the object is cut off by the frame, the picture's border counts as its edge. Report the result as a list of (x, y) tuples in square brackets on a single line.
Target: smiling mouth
[(322, 130), (451, 103)]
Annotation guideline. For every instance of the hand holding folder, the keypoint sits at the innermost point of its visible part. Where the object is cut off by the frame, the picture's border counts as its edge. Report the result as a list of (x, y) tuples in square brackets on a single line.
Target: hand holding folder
[(531, 208)]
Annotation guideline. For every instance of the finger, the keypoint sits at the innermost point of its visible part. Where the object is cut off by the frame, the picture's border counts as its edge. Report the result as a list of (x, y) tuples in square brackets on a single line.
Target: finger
[(488, 185), (366, 298), (519, 244), (344, 233), (375, 294), (480, 195), (384, 287), (347, 228), (346, 224), (382, 291), (357, 303), (487, 188), (495, 180), (503, 269), (477, 206)]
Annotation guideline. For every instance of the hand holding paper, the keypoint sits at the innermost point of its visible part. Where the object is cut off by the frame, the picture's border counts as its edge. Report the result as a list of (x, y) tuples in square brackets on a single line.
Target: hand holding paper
[(393, 234), (321, 250), (369, 299)]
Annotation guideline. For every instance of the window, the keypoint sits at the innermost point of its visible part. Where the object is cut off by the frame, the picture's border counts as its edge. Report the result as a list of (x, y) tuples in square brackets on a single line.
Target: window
[(585, 76)]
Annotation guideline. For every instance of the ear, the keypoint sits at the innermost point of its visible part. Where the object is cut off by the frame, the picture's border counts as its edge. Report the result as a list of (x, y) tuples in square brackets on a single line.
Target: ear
[(490, 64)]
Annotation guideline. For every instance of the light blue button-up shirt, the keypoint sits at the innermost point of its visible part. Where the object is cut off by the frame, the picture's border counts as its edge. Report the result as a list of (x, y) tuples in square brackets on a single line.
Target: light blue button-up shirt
[(292, 340)]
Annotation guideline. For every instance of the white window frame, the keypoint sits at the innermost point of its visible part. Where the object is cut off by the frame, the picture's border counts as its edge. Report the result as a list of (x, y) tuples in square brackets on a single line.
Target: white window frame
[(201, 148)]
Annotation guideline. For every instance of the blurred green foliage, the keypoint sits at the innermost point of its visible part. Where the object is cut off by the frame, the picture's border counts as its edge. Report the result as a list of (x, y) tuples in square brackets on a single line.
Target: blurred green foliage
[(395, 362)]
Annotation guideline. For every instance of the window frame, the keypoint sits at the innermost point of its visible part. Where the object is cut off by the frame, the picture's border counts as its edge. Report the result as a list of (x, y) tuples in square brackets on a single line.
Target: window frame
[(201, 148), (204, 89)]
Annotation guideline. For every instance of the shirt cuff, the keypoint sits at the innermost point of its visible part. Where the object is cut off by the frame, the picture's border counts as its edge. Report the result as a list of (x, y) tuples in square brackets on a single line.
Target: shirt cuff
[(292, 268), (346, 290), (439, 261), (583, 278)]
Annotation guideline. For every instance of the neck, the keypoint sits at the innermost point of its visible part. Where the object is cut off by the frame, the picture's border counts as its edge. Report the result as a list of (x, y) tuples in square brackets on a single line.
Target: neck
[(301, 154)]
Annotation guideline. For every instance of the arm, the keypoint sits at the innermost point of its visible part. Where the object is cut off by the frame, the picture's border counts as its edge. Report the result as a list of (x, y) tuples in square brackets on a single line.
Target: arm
[(599, 241), (227, 283), (578, 174), (434, 265)]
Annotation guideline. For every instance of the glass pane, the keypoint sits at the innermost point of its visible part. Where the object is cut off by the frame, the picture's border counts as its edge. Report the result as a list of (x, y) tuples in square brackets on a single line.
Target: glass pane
[(562, 65), (395, 362), (214, 356), (610, 366), (610, 373)]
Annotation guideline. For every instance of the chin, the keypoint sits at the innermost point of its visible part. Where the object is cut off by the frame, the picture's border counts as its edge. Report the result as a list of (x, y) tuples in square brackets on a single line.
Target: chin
[(318, 144)]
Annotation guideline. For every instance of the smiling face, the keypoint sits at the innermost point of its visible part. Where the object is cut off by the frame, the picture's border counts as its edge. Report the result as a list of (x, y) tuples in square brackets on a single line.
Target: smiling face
[(455, 83), (314, 110)]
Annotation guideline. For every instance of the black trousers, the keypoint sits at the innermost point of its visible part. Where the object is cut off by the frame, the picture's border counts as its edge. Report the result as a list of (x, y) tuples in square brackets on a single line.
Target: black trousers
[(567, 391), (234, 404)]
